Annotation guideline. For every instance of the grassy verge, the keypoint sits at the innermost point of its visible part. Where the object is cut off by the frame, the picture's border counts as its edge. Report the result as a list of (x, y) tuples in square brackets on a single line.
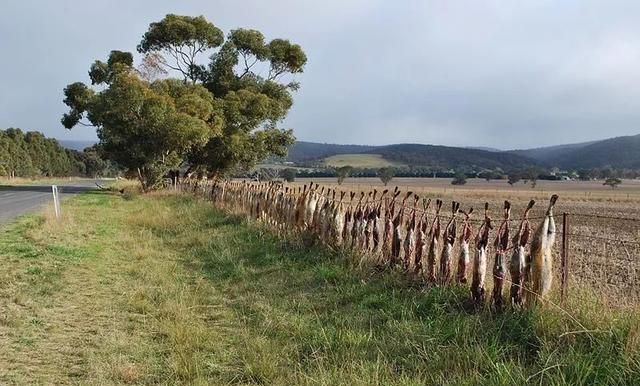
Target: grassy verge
[(39, 180), (159, 289)]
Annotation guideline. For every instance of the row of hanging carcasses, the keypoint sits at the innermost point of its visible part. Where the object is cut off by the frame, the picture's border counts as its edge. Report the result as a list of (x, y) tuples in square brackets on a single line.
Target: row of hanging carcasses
[(390, 229)]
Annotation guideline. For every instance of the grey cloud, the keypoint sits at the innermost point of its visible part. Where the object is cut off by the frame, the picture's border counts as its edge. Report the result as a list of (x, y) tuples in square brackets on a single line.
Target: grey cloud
[(493, 73)]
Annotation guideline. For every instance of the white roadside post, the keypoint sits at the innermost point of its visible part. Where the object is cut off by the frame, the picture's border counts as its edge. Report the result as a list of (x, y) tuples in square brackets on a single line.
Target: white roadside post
[(56, 200)]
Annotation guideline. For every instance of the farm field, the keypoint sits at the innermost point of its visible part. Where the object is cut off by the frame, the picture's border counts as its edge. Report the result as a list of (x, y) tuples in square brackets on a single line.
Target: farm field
[(359, 161), (604, 254), (164, 289)]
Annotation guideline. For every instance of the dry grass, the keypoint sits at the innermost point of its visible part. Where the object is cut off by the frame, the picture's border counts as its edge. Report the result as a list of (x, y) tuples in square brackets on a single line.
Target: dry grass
[(358, 161), (164, 290)]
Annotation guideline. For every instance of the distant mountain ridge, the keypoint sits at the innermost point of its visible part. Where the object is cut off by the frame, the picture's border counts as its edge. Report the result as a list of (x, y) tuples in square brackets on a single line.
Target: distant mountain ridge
[(447, 157), (550, 153), (619, 152), (444, 157)]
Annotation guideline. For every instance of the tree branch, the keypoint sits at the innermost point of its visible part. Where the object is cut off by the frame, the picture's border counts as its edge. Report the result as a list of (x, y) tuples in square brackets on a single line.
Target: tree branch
[(276, 74), (247, 66), (86, 124)]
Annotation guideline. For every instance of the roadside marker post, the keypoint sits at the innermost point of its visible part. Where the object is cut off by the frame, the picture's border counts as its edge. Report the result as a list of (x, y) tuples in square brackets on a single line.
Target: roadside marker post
[(56, 200)]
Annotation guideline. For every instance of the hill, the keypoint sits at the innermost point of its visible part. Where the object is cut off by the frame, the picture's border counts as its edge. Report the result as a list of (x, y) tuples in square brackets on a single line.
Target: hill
[(619, 152), (359, 161), (550, 154), (444, 157), (451, 157), (308, 151)]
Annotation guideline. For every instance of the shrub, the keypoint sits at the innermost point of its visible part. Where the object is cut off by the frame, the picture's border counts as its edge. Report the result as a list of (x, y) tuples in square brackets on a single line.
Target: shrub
[(459, 179)]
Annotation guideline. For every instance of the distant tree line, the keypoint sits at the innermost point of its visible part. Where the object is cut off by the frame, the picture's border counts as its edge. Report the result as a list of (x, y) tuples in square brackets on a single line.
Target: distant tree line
[(527, 175), (31, 154)]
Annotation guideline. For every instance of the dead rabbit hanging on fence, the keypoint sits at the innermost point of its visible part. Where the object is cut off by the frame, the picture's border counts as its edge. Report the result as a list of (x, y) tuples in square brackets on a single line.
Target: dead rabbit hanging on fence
[(480, 259), (397, 252), (348, 222), (410, 237), (434, 235), (501, 245), (378, 230), (421, 238), (464, 256), (519, 257), (338, 221), (449, 239), (542, 256), (369, 216), (387, 238)]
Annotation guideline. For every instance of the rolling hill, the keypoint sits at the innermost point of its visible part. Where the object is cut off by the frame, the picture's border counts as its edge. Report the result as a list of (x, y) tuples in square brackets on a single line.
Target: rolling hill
[(619, 152), (363, 160), (446, 157), (442, 157), (307, 151), (550, 154)]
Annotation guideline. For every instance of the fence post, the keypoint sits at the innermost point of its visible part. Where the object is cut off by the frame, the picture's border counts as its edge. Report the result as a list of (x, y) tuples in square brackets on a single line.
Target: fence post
[(565, 257), (56, 200)]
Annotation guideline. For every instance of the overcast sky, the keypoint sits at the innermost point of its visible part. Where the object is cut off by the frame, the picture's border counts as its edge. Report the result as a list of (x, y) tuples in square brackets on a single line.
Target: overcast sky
[(505, 74)]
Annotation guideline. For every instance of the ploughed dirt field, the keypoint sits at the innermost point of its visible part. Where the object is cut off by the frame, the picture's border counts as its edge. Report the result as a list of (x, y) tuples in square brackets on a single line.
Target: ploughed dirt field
[(603, 236)]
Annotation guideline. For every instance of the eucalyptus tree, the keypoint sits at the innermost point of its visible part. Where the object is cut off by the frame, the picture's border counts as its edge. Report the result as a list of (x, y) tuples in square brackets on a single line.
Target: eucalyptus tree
[(145, 127), (217, 116), (251, 104)]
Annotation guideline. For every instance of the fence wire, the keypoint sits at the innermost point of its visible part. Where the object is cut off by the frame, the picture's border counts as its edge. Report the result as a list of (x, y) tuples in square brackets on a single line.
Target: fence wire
[(602, 252)]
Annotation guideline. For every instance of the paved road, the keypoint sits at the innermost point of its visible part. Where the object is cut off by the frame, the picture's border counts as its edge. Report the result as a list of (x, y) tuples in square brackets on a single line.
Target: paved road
[(19, 199)]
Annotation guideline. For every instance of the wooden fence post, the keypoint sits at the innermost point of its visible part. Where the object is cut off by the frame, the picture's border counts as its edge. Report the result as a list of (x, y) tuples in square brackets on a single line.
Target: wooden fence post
[(564, 257)]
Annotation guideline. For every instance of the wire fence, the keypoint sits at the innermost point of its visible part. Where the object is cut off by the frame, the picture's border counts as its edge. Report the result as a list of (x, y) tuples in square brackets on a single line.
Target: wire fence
[(603, 256), (594, 253)]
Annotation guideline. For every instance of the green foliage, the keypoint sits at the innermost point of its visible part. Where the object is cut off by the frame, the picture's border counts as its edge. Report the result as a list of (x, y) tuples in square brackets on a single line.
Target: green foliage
[(386, 174), (95, 165), (288, 174), (182, 38), (489, 175), (585, 174), (285, 57), (531, 175), (146, 127), (225, 118), (513, 177), (343, 172), (459, 179), (613, 182), (31, 154)]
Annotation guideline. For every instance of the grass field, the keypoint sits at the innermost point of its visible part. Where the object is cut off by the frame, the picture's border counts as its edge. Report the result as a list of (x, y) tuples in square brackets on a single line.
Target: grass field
[(166, 290), (358, 161)]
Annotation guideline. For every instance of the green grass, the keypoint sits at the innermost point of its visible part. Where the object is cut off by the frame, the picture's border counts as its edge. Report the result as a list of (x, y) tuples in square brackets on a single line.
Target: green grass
[(166, 290), (358, 161)]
